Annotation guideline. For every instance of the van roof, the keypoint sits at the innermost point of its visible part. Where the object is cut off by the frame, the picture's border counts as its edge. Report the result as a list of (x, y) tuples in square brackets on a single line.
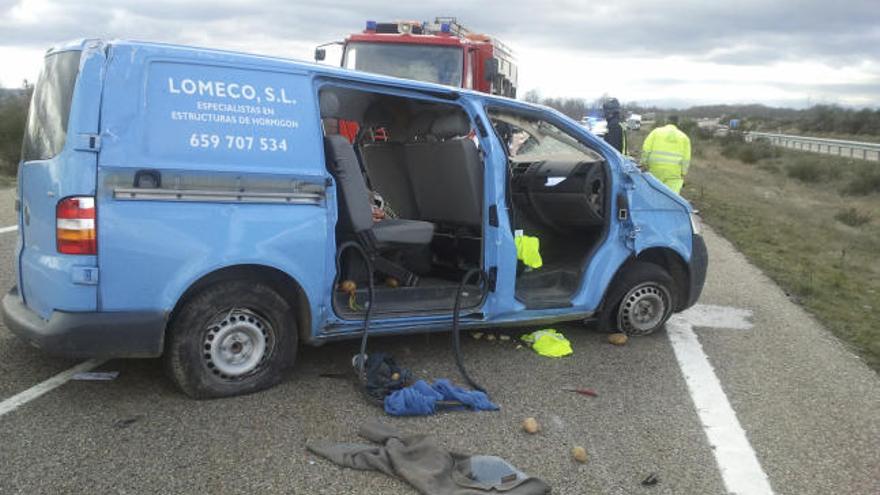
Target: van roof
[(321, 69)]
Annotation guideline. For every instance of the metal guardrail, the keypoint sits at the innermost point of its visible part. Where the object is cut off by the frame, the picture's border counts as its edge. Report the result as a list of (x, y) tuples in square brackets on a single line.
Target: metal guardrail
[(851, 149)]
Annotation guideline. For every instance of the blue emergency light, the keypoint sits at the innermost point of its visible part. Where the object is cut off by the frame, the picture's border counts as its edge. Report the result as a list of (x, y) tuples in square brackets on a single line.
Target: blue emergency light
[(371, 25), (444, 28)]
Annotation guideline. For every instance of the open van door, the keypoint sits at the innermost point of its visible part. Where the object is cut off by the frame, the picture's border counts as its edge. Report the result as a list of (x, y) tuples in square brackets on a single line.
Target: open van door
[(56, 185)]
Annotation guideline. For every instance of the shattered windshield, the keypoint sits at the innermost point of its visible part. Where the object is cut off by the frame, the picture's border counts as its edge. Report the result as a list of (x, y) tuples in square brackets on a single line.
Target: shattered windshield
[(436, 64), (530, 139)]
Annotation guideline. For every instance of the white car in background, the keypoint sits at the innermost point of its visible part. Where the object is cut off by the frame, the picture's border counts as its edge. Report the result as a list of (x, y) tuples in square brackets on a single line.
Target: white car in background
[(596, 125)]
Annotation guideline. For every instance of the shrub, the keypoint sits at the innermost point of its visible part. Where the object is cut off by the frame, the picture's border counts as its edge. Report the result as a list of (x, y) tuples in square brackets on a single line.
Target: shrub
[(13, 113), (809, 171), (865, 181), (852, 217), (733, 146)]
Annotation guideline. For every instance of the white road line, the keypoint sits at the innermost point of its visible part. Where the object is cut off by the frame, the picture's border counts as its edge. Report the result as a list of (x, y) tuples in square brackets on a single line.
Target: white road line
[(737, 461), (56, 381), (11, 228)]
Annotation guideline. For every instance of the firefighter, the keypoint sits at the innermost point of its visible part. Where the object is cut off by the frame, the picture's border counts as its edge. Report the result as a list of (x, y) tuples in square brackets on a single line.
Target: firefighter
[(616, 135), (666, 153)]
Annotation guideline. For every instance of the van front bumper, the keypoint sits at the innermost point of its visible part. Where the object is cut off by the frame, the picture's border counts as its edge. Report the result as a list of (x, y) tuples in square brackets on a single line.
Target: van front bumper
[(87, 335), (697, 270)]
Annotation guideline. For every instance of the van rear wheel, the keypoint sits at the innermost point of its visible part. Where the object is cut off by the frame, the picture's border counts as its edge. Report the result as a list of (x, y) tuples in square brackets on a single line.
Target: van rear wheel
[(640, 300), (232, 338)]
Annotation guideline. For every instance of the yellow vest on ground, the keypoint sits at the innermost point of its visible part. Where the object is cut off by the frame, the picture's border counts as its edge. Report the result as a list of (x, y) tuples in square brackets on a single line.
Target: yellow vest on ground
[(666, 153), (548, 342)]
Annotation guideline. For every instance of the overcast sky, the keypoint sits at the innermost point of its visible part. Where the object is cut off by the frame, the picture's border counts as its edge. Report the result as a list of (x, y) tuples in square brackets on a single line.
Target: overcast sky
[(671, 52)]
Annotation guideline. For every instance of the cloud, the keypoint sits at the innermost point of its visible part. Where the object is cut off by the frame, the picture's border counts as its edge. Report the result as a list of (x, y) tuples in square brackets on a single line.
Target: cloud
[(743, 34)]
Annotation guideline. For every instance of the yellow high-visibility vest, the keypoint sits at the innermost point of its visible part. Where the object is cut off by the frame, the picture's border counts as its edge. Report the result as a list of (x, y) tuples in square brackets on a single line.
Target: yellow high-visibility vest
[(666, 153)]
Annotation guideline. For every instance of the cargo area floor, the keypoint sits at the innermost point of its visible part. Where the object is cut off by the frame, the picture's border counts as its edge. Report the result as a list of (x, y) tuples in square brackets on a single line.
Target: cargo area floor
[(546, 288), (431, 296)]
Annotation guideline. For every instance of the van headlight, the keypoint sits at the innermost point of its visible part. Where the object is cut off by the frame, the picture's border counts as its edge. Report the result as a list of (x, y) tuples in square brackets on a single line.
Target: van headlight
[(696, 223)]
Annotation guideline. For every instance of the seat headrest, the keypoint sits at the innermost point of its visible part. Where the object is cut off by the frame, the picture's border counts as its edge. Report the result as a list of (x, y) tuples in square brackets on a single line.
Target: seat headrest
[(377, 115), (328, 101), (420, 126), (451, 125)]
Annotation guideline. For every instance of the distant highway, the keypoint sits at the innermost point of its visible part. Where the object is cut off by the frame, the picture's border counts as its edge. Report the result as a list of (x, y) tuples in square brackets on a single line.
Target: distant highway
[(851, 149)]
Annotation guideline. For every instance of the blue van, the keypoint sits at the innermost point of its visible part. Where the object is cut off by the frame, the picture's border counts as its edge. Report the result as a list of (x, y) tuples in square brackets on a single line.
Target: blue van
[(196, 204)]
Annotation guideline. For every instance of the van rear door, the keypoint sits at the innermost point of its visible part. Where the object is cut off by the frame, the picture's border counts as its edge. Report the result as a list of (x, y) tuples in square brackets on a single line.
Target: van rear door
[(59, 161)]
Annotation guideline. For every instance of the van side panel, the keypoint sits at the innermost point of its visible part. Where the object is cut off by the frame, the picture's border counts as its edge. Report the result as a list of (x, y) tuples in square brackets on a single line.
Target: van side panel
[(209, 160)]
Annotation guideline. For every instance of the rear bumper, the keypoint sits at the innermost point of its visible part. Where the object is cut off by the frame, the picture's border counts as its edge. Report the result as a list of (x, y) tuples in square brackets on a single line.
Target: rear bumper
[(87, 335), (697, 270)]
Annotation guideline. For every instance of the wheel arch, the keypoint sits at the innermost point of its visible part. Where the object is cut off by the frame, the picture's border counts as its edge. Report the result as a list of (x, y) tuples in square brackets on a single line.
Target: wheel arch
[(666, 258), (286, 286)]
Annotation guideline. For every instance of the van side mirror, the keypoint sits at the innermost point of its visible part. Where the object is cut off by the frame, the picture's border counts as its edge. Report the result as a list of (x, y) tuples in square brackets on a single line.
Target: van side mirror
[(490, 69), (320, 54)]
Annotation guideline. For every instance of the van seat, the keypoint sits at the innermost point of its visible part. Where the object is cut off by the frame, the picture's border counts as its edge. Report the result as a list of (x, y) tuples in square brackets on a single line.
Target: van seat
[(384, 163), (355, 200), (447, 174)]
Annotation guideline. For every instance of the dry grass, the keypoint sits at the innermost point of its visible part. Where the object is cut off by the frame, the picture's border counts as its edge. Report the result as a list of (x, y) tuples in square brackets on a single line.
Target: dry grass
[(820, 245)]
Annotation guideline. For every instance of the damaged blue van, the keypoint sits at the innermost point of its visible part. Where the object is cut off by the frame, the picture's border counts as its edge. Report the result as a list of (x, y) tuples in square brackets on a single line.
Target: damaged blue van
[(192, 203)]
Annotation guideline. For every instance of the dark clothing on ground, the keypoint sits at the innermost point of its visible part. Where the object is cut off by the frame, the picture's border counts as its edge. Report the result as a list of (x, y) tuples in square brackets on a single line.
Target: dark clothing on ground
[(423, 398), (428, 467), (615, 135)]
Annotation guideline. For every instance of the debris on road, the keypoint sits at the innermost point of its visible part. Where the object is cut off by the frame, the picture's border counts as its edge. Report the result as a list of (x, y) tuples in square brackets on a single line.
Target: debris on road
[(422, 463), (531, 426), (548, 342), (582, 391), (96, 376), (618, 338), (126, 422), (651, 480), (579, 454)]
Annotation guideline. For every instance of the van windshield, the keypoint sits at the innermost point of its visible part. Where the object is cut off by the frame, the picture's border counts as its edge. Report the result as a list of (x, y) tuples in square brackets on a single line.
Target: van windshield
[(46, 128), (529, 139), (436, 64)]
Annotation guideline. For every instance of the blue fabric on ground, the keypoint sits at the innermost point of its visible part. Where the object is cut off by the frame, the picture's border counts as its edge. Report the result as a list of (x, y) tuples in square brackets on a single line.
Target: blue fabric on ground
[(420, 398)]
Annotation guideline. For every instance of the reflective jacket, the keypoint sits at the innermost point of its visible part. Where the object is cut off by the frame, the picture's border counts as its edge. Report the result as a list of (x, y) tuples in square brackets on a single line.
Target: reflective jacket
[(666, 153)]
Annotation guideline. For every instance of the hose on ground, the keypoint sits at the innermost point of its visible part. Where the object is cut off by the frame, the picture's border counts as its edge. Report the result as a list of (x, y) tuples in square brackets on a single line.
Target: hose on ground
[(362, 355), (456, 330)]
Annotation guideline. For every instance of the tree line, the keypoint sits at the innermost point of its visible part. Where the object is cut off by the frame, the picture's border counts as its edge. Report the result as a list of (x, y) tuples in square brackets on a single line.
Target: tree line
[(822, 119), (13, 114)]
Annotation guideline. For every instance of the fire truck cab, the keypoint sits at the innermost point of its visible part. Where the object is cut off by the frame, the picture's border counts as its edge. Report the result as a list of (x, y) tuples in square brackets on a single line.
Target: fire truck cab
[(441, 52)]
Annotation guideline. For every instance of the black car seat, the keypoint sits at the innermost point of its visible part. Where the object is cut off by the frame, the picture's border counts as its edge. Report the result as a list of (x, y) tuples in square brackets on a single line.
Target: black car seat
[(355, 206), (446, 172), (385, 163)]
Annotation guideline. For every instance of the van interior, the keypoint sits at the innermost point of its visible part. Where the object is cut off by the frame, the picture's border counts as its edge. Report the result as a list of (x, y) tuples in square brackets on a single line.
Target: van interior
[(558, 193), (409, 178)]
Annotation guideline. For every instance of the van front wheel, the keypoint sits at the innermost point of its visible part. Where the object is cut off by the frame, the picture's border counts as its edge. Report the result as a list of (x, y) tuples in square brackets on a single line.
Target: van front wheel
[(232, 338), (640, 301)]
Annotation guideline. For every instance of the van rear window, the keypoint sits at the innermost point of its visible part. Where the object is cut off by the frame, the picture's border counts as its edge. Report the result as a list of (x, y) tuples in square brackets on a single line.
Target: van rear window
[(46, 128)]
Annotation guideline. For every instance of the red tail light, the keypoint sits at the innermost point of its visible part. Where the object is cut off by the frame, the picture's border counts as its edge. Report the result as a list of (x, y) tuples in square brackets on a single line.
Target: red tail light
[(75, 225)]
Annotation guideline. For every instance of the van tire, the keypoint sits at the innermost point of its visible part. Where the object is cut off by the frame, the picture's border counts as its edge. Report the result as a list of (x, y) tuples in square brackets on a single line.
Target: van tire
[(231, 338), (643, 286)]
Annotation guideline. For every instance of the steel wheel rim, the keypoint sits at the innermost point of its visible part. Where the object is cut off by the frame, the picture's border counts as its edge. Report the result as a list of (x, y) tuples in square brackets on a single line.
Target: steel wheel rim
[(643, 309), (237, 344)]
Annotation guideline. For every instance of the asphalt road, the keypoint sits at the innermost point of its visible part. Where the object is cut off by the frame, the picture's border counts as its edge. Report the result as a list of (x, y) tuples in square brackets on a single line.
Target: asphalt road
[(810, 409)]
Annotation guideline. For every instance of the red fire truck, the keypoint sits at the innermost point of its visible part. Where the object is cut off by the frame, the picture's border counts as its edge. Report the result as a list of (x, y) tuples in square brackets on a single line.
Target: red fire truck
[(443, 52)]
